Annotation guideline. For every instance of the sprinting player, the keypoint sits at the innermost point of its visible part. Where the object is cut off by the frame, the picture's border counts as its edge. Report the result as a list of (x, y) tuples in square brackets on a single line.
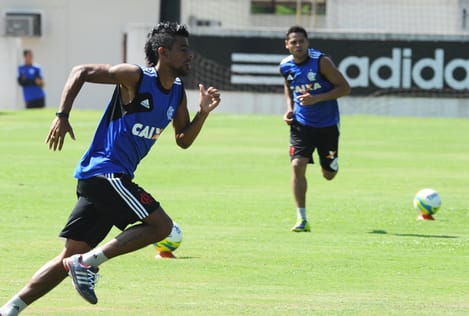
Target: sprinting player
[(312, 86), (145, 101), (30, 78)]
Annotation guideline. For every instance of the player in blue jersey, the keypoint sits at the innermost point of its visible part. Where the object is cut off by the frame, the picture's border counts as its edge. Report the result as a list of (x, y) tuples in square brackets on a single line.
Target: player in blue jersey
[(145, 101), (31, 80), (312, 86)]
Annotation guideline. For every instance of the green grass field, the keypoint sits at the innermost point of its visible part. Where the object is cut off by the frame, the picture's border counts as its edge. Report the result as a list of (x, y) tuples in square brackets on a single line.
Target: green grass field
[(230, 193)]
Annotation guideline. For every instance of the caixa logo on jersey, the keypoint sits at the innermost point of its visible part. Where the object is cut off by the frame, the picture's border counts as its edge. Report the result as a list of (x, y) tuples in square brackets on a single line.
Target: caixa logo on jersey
[(402, 70), (145, 131)]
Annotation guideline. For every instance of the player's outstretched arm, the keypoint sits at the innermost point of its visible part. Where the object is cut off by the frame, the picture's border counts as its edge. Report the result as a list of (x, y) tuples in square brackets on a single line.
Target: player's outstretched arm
[(126, 75)]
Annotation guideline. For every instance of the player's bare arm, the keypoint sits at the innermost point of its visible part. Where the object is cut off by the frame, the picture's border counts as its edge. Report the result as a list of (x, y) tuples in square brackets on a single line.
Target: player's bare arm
[(126, 75), (334, 76), (186, 131), (288, 116)]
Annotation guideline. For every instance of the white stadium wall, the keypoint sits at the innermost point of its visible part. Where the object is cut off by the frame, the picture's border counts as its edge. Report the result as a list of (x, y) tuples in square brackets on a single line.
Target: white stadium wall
[(397, 16), (9, 58), (274, 104), (86, 31), (73, 32)]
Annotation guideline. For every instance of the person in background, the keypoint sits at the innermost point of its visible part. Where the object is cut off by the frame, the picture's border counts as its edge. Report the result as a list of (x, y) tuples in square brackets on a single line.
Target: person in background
[(31, 80), (145, 101), (312, 86)]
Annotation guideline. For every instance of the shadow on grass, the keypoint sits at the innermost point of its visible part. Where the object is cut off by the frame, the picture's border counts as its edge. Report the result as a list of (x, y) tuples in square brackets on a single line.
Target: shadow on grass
[(383, 232), (187, 257), (178, 258)]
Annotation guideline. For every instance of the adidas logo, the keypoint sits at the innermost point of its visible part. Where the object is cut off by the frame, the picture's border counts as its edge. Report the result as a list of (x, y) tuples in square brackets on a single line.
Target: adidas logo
[(290, 77), (145, 103)]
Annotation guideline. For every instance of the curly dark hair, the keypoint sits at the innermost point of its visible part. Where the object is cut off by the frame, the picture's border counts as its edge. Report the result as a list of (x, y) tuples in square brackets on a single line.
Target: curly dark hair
[(162, 35), (296, 29)]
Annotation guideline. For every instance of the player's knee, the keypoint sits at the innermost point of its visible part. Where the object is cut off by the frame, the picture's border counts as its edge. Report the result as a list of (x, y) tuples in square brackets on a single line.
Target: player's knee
[(161, 224), (299, 166), (167, 227), (296, 163), (164, 227)]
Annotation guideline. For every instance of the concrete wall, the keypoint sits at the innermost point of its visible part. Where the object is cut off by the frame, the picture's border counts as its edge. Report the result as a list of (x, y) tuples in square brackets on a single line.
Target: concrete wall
[(74, 32), (9, 58), (396, 16), (390, 16), (87, 31), (274, 103)]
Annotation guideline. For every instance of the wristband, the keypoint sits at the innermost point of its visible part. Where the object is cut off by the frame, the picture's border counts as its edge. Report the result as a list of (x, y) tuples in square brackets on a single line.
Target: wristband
[(62, 114)]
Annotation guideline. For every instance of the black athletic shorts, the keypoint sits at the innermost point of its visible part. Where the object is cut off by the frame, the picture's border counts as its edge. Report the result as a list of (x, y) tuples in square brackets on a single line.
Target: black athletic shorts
[(36, 104), (103, 202), (304, 140)]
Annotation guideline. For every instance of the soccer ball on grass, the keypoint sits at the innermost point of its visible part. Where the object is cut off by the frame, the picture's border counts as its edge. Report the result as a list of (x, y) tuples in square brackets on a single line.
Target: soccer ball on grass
[(427, 202), (167, 246)]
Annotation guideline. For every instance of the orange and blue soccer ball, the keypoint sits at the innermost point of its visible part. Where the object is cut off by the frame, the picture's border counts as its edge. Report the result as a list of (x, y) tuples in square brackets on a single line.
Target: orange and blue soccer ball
[(171, 242), (427, 201)]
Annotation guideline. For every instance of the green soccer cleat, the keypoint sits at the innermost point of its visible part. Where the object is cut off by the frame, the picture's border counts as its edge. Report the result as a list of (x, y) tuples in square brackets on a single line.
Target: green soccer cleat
[(301, 225)]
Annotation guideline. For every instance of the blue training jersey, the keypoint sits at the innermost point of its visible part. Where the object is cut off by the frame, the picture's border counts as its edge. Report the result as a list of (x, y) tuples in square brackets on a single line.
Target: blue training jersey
[(126, 133), (31, 91), (306, 77)]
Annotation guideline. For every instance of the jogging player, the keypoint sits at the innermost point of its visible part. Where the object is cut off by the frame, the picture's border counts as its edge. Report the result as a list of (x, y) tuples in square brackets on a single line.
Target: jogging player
[(312, 86)]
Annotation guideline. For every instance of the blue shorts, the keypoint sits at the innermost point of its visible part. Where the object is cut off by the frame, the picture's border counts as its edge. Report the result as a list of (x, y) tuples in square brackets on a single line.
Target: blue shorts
[(304, 140), (103, 202)]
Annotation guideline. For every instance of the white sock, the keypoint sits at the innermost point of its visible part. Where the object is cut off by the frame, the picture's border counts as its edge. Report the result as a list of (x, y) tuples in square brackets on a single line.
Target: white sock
[(94, 257), (13, 307), (301, 213)]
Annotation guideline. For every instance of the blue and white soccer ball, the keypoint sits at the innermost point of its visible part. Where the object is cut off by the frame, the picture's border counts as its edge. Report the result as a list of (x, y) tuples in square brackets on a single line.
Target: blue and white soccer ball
[(427, 202), (171, 242)]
